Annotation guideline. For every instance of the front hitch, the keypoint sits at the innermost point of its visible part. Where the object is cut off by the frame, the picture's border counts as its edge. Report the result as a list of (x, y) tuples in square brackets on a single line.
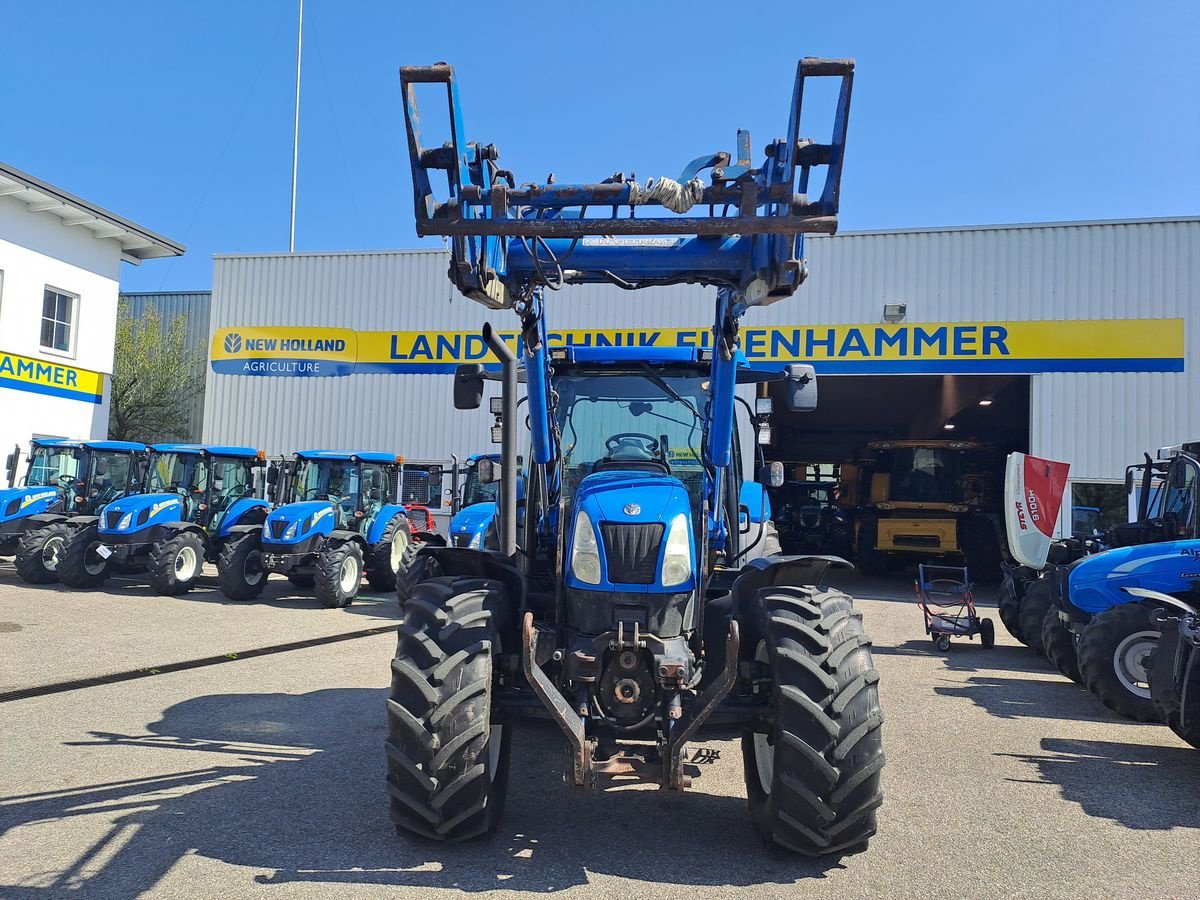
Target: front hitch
[(674, 777), (583, 772)]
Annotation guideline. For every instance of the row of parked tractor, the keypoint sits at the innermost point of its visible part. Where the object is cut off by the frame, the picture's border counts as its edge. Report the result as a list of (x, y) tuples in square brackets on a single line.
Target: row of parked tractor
[(1116, 611), (325, 519)]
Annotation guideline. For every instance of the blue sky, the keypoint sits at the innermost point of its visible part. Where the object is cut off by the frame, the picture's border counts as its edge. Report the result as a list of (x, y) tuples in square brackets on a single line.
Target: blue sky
[(179, 116)]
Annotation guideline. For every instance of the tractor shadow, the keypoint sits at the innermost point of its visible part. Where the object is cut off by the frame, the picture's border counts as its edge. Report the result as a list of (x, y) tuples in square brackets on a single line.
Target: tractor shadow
[(292, 785), (1138, 786), (1018, 698)]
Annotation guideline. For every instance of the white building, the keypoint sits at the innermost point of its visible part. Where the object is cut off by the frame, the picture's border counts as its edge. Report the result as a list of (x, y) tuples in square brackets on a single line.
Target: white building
[(60, 260)]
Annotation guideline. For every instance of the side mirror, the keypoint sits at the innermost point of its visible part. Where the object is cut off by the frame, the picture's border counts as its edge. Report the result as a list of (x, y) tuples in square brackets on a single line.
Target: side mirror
[(468, 386), (1129, 481), (272, 474), (800, 388), (1177, 475), (11, 463), (771, 475), (489, 471)]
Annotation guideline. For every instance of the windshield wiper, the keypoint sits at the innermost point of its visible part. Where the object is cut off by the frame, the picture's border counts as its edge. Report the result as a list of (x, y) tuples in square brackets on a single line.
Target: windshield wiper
[(662, 383)]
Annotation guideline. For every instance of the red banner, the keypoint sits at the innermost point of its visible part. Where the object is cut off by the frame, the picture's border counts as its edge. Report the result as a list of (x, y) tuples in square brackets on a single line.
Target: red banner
[(1033, 490)]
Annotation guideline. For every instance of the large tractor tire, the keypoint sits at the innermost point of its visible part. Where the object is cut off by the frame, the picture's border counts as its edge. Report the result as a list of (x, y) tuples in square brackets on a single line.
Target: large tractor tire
[(39, 552), (385, 557), (1114, 653), (339, 573), (240, 572), (870, 559), (448, 745), (1058, 643), (1034, 606), (80, 566), (175, 564), (1008, 603), (413, 569), (813, 772)]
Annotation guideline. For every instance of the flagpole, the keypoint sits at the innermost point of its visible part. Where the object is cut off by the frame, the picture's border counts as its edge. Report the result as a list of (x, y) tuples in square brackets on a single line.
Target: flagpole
[(296, 130)]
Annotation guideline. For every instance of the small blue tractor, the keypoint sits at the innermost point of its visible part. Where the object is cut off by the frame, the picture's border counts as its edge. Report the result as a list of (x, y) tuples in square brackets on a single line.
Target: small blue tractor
[(476, 507), (1098, 632), (638, 603), (340, 515), (194, 498), (65, 486)]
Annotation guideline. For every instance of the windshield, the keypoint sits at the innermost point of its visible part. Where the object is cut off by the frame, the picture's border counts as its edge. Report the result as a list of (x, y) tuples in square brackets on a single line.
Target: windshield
[(632, 418), (475, 491), (934, 475), (52, 467), (324, 479), (177, 473), (231, 479), (1179, 497)]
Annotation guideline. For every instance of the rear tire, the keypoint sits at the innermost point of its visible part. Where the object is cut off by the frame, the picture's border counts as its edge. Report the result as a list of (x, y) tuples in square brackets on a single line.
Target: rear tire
[(813, 777), (39, 552), (339, 574), (413, 570), (448, 746), (80, 566), (1034, 606), (174, 564), (386, 555), (240, 572), (1058, 642), (1008, 604), (1112, 653)]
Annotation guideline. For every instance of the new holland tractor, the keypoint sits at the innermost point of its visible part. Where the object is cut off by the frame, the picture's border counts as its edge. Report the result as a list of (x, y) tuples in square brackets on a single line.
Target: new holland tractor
[(640, 606), (340, 516), (195, 497), (1115, 631), (64, 488), (477, 505)]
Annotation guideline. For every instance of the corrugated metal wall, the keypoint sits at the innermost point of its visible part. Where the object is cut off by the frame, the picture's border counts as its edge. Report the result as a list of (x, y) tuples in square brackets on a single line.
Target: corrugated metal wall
[(194, 306), (1070, 271)]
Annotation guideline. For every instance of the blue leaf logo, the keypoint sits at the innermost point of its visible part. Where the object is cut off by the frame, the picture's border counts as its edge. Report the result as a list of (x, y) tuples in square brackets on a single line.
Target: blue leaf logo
[(233, 343)]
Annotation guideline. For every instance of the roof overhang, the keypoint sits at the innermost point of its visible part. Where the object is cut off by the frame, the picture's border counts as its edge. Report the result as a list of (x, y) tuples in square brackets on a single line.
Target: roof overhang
[(137, 243)]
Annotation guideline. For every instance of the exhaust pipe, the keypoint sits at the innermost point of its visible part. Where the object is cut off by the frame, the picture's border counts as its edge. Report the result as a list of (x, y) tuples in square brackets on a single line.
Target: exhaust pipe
[(508, 442)]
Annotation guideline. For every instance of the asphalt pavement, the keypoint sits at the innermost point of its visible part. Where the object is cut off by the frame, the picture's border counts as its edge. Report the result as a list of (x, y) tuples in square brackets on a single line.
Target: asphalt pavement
[(262, 775)]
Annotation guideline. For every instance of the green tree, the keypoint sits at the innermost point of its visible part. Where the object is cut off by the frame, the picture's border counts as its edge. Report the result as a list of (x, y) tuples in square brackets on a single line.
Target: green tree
[(155, 378)]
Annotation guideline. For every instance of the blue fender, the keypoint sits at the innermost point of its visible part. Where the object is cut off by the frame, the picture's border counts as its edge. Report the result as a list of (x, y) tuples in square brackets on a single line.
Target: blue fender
[(238, 513), (1095, 582), (309, 518), (472, 522), (137, 512), (754, 497), (622, 496), (20, 503), (381, 521)]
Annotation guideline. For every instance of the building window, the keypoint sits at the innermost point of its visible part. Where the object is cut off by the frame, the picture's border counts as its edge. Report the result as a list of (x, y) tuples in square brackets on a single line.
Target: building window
[(58, 321)]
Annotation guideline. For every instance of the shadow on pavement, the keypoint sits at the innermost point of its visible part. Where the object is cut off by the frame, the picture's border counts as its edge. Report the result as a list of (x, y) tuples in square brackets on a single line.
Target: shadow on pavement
[(300, 794), (970, 656), (1015, 698), (1145, 787)]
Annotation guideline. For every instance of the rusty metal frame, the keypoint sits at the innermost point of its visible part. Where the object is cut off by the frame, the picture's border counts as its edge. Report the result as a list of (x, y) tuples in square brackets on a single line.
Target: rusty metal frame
[(674, 777), (583, 774)]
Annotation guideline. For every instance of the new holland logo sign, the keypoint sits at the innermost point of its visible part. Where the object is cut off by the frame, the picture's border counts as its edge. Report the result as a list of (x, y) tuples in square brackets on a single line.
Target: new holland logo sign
[(38, 376), (933, 348)]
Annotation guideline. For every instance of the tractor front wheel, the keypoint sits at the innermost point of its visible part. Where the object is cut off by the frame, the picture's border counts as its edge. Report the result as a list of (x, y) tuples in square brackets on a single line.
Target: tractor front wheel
[(39, 552), (81, 565), (448, 744), (1034, 606), (385, 556), (1008, 604), (339, 574), (174, 564), (1058, 642), (812, 770), (240, 572), (1114, 655)]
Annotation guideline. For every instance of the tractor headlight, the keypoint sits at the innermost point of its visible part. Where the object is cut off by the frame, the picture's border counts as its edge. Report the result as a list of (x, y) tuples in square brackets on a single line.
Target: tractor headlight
[(126, 521), (291, 530), (585, 554), (677, 561), (477, 541)]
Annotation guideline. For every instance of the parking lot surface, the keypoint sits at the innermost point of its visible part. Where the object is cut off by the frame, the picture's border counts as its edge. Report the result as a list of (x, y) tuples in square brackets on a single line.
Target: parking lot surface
[(262, 776)]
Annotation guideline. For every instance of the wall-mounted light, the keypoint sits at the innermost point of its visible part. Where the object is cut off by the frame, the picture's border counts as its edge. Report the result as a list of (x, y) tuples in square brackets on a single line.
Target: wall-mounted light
[(894, 312), (949, 426), (986, 400)]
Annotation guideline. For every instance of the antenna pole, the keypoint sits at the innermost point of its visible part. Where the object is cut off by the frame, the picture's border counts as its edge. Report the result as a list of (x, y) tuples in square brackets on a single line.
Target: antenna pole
[(296, 131)]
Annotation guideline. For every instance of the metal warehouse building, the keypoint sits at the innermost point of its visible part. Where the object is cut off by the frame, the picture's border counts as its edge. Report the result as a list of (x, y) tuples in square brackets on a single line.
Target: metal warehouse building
[(1082, 339)]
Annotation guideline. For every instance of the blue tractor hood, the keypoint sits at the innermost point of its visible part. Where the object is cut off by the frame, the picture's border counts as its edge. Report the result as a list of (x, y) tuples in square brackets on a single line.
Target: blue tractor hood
[(1170, 567), (18, 503), (472, 520), (144, 510), (309, 516)]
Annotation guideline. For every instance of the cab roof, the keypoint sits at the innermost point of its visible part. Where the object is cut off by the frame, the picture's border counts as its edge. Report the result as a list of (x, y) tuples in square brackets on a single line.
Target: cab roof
[(206, 449), (375, 456), (120, 446)]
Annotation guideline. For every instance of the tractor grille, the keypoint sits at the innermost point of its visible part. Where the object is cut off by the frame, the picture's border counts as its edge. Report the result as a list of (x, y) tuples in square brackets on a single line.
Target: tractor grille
[(631, 551), (917, 540), (278, 527), (460, 540), (111, 519)]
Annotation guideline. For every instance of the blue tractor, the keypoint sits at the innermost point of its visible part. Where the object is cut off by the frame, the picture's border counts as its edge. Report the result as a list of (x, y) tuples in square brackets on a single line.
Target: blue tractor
[(194, 498), (65, 486), (636, 604), (340, 516), (476, 507), (1097, 631)]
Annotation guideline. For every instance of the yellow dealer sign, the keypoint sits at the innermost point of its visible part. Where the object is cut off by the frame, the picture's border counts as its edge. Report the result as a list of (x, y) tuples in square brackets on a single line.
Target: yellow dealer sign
[(1102, 345), (53, 379)]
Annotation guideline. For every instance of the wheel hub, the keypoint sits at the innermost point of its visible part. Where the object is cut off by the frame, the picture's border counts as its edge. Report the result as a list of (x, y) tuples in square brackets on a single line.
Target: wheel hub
[(185, 564), (349, 577), (51, 550), (399, 546), (1130, 662)]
